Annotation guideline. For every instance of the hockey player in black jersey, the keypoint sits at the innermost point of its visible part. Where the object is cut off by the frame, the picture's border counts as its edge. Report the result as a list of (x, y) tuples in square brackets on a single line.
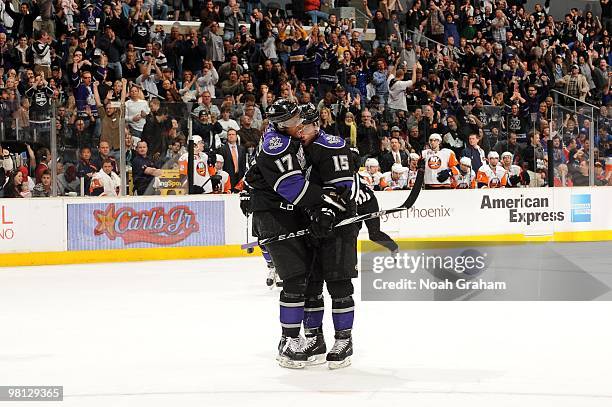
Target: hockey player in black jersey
[(331, 167), (280, 194)]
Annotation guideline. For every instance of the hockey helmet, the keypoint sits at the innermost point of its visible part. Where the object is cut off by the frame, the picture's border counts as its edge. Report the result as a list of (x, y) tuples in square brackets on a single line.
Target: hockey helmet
[(281, 111), (414, 156), (506, 154), (493, 154), (435, 136), (309, 113), (371, 162), (466, 161), (398, 168)]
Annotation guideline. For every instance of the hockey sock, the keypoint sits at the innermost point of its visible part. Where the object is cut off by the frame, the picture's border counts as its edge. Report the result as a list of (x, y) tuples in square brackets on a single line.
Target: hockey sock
[(343, 313), (291, 313), (266, 255), (313, 312)]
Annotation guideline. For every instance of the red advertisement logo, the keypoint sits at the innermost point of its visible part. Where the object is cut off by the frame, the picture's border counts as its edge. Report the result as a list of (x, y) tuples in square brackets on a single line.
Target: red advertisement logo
[(153, 225)]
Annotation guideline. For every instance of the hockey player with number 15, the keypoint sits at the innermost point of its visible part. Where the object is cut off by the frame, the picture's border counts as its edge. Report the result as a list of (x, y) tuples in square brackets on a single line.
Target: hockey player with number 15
[(331, 166)]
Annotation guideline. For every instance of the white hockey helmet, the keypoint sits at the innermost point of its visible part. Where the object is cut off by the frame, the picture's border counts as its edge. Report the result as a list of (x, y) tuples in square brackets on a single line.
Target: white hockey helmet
[(435, 136), (414, 156), (466, 161), (220, 158), (493, 154), (506, 154), (371, 162), (398, 168)]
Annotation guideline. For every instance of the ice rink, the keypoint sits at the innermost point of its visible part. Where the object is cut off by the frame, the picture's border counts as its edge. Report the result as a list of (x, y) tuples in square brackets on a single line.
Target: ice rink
[(204, 333)]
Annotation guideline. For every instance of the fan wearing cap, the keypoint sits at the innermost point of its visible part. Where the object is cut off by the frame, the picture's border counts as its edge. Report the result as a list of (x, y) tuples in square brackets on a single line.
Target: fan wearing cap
[(492, 174), (516, 175), (201, 171), (466, 178), (440, 164), (278, 189), (576, 84), (372, 176)]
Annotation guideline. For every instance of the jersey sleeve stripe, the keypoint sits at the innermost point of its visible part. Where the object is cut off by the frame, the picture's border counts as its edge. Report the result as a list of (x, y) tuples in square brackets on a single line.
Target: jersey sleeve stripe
[(336, 180), (301, 195), (284, 176)]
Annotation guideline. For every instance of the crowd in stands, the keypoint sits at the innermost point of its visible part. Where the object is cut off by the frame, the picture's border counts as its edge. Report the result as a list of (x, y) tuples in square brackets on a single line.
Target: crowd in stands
[(473, 87)]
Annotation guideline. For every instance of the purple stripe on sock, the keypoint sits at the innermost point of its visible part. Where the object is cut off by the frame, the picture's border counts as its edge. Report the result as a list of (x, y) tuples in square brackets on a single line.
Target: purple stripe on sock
[(313, 319), (291, 315), (343, 321), (266, 255)]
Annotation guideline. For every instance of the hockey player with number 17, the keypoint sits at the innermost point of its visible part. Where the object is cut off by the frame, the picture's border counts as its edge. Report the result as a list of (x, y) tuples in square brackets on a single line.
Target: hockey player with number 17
[(280, 194)]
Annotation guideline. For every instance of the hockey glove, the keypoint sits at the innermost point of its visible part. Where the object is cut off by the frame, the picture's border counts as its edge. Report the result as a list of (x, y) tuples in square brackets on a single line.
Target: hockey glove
[(212, 158), (245, 203), (526, 178), (333, 198), (215, 181), (515, 180), (322, 222), (444, 175)]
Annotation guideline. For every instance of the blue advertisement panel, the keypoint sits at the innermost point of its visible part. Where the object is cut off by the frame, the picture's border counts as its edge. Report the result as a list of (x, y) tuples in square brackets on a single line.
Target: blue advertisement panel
[(102, 226)]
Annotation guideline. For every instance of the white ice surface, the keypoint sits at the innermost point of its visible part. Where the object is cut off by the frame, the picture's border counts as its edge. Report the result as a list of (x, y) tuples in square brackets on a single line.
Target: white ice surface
[(204, 333)]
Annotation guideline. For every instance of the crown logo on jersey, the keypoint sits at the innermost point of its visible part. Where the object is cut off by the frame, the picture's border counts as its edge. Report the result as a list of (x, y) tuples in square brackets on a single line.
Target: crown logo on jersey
[(149, 226), (275, 142)]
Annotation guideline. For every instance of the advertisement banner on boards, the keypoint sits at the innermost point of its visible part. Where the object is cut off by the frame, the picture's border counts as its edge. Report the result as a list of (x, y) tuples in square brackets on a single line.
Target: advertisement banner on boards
[(32, 225), (114, 225)]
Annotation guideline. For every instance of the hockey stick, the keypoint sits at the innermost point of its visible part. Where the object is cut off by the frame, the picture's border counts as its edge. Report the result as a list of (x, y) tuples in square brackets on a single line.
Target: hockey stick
[(412, 197)]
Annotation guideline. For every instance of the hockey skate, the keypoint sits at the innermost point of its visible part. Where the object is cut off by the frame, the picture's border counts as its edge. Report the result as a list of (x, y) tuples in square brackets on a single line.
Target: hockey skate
[(340, 355), (314, 346), (272, 276), (291, 353)]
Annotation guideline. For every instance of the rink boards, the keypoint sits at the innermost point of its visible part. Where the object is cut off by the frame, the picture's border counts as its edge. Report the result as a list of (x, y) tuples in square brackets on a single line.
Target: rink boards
[(82, 230)]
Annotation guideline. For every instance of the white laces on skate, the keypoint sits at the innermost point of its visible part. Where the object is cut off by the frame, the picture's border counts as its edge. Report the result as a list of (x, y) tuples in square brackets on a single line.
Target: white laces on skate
[(309, 342), (340, 345), (294, 344)]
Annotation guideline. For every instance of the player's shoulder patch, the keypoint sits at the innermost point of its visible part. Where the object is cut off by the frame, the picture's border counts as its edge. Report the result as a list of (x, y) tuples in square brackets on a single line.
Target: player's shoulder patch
[(274, 143), (329, 140)]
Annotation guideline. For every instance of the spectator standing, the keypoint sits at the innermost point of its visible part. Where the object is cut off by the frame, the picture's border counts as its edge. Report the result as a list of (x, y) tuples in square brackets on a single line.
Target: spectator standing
[(136, 111), (234, 156), (576, 85)]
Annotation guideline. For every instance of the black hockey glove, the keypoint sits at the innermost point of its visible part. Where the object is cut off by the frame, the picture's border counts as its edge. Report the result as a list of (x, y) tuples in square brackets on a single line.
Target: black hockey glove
[(515, 180), (245, 203), (525, 178), (212, 158), (215, 181), (322, 222), (444, 175), (334, 199)]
